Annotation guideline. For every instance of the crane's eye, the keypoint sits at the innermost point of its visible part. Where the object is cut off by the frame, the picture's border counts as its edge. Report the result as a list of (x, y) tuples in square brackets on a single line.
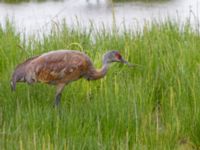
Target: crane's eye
[(118, 56)]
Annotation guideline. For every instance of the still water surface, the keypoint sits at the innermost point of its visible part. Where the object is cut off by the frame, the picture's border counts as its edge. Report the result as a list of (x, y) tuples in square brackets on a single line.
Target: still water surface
[(34, 17)]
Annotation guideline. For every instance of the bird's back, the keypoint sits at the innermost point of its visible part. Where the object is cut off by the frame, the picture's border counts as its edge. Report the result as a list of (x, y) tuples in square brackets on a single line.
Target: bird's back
[(61, 66)]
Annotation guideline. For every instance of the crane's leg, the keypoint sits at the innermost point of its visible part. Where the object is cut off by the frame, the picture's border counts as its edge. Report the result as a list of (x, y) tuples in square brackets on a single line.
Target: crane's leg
[(59, 90)]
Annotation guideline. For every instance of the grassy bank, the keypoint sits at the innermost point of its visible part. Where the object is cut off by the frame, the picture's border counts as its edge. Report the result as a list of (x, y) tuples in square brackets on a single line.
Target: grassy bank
[(155, 106)]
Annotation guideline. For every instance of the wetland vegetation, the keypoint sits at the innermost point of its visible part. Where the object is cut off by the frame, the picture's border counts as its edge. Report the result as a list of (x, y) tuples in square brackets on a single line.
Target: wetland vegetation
[(155, 106)]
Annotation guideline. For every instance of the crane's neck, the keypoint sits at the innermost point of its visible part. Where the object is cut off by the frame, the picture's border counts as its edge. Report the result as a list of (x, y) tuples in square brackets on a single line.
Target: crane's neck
[(95, 74), (102, 72)]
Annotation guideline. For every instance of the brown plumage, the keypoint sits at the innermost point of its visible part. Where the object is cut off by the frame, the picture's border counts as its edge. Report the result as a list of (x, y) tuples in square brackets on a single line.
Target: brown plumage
[(60, 68)]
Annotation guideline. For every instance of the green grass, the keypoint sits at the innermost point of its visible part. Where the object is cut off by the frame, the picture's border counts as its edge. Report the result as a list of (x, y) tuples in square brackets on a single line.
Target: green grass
[(155, 106)]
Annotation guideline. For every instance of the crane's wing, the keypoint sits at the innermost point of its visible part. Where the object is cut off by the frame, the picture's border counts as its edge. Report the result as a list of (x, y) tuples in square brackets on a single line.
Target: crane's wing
[(60, 69)]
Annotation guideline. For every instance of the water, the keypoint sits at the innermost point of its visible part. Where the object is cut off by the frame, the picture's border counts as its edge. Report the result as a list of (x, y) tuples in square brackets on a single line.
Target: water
[(34, 17)]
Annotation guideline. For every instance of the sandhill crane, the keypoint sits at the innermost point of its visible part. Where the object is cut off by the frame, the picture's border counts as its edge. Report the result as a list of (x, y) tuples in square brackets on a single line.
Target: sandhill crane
[(61, 67)]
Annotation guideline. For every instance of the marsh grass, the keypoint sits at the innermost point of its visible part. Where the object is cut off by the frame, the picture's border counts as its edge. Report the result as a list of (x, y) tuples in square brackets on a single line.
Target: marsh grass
[(155, 106)]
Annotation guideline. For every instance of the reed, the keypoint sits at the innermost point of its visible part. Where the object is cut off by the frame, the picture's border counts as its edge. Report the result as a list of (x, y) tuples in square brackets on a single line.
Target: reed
[(155, 106)]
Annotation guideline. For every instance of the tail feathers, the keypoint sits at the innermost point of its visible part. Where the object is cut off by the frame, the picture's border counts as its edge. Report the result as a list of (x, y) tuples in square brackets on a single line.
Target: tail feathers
[(14, 80), (13, 85), (20, 73)]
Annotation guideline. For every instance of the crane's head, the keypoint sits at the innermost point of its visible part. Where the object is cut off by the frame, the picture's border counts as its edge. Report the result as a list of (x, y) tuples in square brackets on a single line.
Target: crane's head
[(114, 56)]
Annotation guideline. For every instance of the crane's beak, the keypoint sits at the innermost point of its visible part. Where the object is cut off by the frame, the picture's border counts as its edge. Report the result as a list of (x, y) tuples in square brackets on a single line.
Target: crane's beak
[(129, 64)]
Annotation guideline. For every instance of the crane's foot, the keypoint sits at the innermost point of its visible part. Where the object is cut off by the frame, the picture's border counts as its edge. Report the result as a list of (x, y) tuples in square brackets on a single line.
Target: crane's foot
[(57, 100)]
